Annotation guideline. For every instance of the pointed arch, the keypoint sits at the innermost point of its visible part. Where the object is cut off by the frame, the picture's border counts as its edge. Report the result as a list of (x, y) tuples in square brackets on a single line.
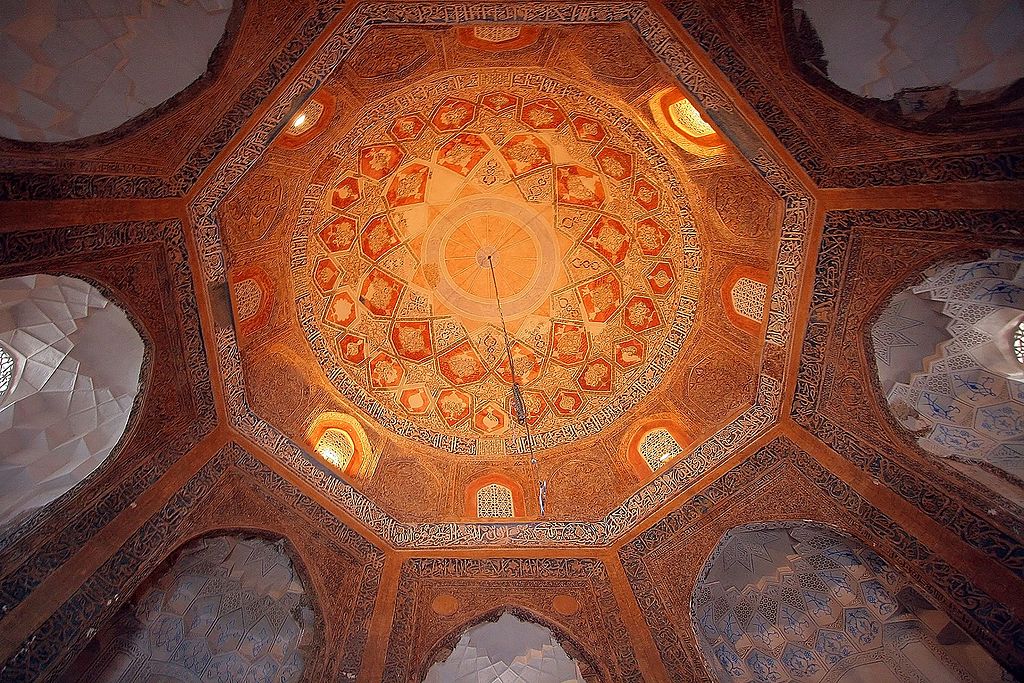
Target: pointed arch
[(798, 599), (587, 663), (341, 443), (944, 368), (514, 488), (78, 364), (222, 603)]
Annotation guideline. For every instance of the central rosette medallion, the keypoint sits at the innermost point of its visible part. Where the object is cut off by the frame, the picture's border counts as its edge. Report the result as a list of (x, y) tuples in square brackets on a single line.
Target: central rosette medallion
[(584, 222)]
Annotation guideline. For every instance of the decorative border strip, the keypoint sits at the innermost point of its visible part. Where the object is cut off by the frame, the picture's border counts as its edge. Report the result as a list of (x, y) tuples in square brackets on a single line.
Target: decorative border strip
[(72, 519), (799, 208), (936, 497), (984, 617)]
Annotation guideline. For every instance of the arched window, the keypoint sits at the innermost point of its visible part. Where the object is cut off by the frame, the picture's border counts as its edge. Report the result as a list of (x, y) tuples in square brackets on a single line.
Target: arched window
[(655, 443), (228, 608), (252, 295), (784, 601), (744, 297), (496, 33), (336, 447), (681, 122), (248, 297), (507, 649), (947, 355), (494, 500), (70, 367), (340, 441), (657, 447)]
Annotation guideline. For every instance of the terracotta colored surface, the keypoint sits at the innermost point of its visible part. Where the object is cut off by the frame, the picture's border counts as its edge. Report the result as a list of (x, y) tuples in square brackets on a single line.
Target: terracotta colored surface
[(191, 463)]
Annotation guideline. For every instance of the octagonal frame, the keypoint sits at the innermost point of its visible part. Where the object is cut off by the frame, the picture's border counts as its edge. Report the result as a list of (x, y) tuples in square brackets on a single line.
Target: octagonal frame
[(691, 75)]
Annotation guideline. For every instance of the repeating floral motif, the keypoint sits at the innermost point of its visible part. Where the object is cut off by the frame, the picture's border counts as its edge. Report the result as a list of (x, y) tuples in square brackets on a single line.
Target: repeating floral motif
[(388, 292)]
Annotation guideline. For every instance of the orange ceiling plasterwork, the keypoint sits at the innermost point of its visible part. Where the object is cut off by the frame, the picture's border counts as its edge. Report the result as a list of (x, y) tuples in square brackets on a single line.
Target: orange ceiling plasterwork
[(310, 268), (583, 218), (610, 245)]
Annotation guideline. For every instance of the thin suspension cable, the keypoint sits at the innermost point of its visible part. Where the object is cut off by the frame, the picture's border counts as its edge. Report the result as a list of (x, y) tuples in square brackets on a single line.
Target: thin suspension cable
[(517, 396), (497, 299)]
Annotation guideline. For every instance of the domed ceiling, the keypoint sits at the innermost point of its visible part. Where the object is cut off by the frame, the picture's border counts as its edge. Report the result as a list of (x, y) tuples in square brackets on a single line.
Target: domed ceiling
[(582, 217), (560, 167)]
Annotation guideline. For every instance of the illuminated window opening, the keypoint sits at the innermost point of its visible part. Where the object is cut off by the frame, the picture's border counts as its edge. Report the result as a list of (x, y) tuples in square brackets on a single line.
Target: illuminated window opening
[(494, 500), (307, 118), (682, 123), (658, 447), (336, 447), (688, 120)]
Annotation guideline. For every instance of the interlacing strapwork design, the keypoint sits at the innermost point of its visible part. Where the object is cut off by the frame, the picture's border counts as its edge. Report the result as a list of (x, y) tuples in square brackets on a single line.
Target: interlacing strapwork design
[(658, 447), (748, 298), (247, 298), (494, 500), (6, 372), (336, 447)]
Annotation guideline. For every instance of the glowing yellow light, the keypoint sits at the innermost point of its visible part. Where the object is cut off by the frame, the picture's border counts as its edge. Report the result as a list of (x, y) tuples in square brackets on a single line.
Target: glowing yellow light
[(299, 120), (686, 116), (682, 123)]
